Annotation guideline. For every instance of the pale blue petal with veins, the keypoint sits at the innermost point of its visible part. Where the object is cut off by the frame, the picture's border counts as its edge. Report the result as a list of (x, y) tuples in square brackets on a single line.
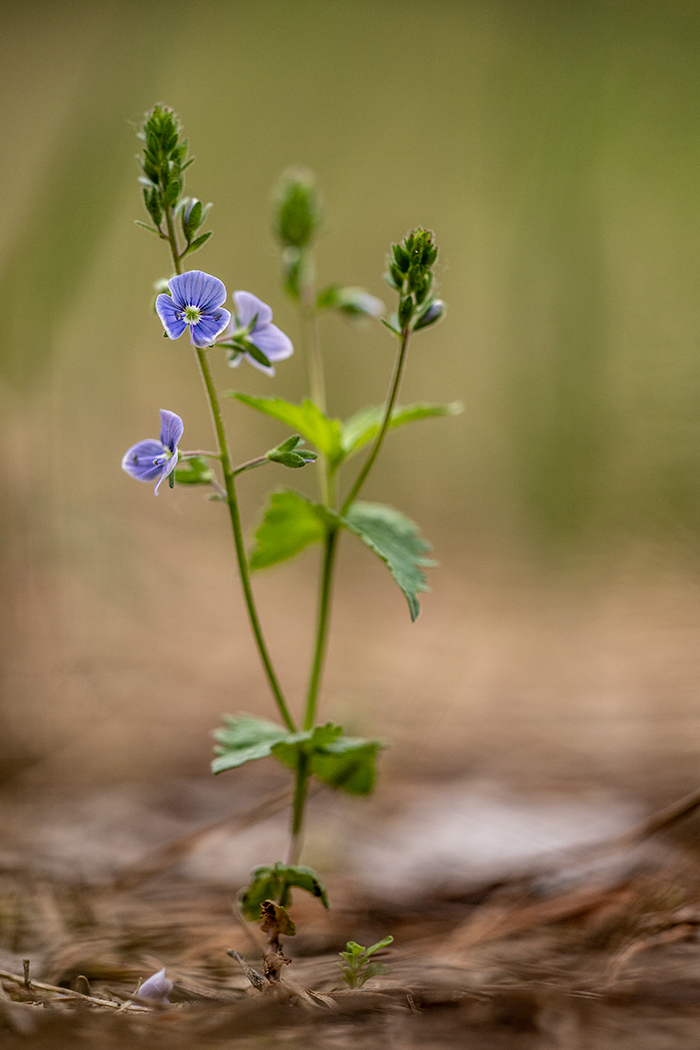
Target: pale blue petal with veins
[(251, 311), (196, 301)]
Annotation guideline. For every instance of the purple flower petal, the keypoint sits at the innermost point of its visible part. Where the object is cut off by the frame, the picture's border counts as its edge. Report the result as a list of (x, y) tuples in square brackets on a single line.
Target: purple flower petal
[(156, 987), (169, 314), (196, 288), (143, 460), (209, 326), (275, 345), (171, 428), (248, 305)]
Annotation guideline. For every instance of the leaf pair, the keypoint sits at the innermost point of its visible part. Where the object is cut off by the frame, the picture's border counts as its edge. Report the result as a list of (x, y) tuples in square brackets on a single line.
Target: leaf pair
[(342, 762), (292, 522), (335, 439), (274, 884)]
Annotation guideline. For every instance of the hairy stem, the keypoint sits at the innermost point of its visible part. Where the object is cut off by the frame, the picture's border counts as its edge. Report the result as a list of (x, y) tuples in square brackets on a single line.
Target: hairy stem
[(298, 808), (232, 501)]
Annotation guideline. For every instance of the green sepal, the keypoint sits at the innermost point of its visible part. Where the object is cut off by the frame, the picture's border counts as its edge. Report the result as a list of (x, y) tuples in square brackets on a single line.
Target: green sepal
[(309, 420), (273, 882), (197, 244), (290, 523), (194, 472), (172, 193), (255, 352), (193, 222), (396, 540), (364, 425)]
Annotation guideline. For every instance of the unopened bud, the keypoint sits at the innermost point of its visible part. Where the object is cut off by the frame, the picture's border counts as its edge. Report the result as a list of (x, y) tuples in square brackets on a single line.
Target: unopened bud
[(297, 211), (431, 315)]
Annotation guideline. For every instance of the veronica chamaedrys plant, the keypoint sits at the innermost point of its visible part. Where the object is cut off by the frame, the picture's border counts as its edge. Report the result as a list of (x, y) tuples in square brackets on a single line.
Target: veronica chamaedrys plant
[(291, 520)]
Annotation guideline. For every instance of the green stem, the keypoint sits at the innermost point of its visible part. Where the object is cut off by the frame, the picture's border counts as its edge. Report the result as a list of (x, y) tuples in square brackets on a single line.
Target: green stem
[(310, 336), (391, 401), (322, 624), (298, 807), (172, 239), (232, 501)]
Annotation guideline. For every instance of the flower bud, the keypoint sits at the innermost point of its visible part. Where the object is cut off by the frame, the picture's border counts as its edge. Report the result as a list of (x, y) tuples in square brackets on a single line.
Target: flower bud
[(433, 313), (406, 307), (297, 212)]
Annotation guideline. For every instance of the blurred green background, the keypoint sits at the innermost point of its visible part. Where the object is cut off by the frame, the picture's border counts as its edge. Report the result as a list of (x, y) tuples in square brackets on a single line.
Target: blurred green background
[(553, 146)]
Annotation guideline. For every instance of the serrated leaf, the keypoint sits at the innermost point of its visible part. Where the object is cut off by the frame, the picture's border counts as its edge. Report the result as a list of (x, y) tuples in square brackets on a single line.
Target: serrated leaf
[(347, 764), (306, 418), (269, 883), (290, 523), (244, 738), (308, 741), (364, 425), (395, 538), (344, 763)]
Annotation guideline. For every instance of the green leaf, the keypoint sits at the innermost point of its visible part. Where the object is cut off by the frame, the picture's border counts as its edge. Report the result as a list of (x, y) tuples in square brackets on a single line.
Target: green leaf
[(244, 738), (269, 883), (290, 523), (395, 538), (194, 472), (364, 425), (348, 764), (344, 763), (385, 941), (307, 742), (306, 418)]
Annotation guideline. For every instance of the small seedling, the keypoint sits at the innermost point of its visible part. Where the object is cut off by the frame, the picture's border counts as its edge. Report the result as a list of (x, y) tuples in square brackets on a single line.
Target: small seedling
[(356, 968)]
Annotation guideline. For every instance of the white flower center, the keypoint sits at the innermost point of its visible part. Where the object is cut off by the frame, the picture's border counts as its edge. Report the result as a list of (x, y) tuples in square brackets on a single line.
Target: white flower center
[(191, 314)]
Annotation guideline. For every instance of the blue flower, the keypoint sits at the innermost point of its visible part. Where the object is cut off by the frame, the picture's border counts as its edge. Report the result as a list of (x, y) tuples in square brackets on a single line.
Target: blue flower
[(196, 299), (157, 987), (251, 329), (151, 459)]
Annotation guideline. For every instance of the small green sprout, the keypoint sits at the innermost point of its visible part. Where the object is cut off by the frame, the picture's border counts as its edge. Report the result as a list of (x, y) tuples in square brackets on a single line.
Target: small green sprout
[(356, 968)]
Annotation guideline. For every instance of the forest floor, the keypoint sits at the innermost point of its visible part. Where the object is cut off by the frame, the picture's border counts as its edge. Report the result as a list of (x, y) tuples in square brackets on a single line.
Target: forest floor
[(530, 923)]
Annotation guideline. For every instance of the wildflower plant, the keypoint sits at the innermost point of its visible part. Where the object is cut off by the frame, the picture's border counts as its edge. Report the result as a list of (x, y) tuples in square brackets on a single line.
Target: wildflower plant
[(242, 328)]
